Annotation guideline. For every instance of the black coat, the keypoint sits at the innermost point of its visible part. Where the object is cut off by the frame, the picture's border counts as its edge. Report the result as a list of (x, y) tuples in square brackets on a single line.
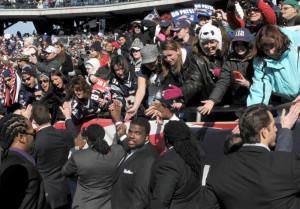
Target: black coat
[(51, 153), (225, 85), (253, 177), (21, 185), (131, 185), (173, 184), (194, 80)]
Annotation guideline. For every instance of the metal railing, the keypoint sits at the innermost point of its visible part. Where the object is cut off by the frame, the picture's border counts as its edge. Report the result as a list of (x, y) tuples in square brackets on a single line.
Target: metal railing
[(31, 4)]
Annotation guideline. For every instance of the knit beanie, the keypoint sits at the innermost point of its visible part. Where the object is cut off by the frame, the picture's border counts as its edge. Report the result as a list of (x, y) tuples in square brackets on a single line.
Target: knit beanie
[(210, 32), (94, 63)]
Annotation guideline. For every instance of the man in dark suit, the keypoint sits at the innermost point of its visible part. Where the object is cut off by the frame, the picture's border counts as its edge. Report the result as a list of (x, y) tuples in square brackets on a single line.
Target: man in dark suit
[(21, 185), (51, 153), (255, 177), (131, 184), (176, 180)]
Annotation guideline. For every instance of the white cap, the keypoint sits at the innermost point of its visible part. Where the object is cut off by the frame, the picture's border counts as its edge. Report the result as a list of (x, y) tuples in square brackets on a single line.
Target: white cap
[(51, 49)]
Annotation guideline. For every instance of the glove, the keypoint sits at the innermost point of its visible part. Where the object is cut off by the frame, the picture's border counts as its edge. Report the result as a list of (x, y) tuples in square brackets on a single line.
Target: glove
[(172, 93), (216, 72)]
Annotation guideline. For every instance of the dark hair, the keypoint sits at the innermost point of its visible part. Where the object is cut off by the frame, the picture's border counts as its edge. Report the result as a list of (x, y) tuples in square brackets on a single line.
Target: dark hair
[(251, 50), (59, 74), (254, 118), (95, 135), (232, 143), (10, 126), (119, 60), (178, 134), (78, 81), (268, 32), (142, 122), (40, 113)]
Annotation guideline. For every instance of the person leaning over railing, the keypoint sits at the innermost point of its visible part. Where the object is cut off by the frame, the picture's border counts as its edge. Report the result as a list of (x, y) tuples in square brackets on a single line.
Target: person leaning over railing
[(276, 66)]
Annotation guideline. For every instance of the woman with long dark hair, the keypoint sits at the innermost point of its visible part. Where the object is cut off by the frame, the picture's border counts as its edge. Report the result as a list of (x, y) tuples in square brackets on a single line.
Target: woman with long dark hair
[(94, 168), (85, 105)]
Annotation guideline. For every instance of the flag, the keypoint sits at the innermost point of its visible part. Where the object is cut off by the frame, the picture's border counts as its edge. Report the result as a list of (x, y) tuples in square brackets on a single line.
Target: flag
[(152, 15)]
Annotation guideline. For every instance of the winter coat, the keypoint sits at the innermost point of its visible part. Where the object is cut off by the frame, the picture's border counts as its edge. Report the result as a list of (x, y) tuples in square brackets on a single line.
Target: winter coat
[(278, 76), (238, 94), (269, 17), (194, 79)]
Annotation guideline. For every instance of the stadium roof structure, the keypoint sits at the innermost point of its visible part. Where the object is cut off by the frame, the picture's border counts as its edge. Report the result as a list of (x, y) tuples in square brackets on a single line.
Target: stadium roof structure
[(121, 8)]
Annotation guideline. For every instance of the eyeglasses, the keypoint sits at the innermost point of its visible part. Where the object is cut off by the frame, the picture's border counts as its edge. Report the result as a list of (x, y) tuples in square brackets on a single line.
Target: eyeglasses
[(44, 81)]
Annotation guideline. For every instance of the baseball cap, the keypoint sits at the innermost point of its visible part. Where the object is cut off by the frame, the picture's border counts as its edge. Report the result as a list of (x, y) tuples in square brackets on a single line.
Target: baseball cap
[(292, 3), (51, 49), (180, 24)]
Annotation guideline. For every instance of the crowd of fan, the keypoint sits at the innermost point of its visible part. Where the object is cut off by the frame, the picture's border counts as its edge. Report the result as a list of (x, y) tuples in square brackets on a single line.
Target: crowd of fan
[(240, 57), (44, 4), (221, 60)]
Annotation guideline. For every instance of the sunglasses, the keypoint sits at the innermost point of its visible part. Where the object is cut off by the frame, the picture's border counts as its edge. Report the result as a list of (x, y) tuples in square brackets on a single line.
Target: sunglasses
[(252, 10), (134, 50), (44, 81)]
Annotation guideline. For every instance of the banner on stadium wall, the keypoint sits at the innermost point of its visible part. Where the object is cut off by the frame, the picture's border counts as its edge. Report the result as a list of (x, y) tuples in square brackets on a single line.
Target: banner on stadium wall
[(188, 13)]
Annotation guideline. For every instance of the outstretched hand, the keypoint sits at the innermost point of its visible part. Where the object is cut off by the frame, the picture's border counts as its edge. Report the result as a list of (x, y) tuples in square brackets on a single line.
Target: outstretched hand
[(288, 120), (207, 107)]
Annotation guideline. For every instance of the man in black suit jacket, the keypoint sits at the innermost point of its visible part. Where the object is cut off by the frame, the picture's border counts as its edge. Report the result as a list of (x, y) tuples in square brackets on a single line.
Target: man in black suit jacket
[(21, 185), (131, 184), (51, 153), (176, 180), (254, 177)]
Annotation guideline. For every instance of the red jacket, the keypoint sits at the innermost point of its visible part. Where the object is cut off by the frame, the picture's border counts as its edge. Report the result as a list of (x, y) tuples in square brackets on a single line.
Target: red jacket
[(269, 16)]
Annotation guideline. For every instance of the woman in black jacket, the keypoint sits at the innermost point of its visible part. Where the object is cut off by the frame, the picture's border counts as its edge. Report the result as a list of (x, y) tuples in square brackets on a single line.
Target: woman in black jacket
[(84, 104), (186, 77), (236, 74)]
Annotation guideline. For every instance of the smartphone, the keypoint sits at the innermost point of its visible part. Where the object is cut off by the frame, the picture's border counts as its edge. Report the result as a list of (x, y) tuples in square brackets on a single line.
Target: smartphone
[(237, 74)]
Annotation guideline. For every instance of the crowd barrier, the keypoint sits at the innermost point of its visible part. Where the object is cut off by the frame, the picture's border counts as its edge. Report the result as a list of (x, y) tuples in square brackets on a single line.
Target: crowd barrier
[(30, 4), (211, 135)]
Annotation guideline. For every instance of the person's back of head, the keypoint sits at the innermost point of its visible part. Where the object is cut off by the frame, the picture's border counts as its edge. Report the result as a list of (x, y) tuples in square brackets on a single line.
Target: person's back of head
[(95, 137), (178, 134), (253, 120), (40, 114)]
